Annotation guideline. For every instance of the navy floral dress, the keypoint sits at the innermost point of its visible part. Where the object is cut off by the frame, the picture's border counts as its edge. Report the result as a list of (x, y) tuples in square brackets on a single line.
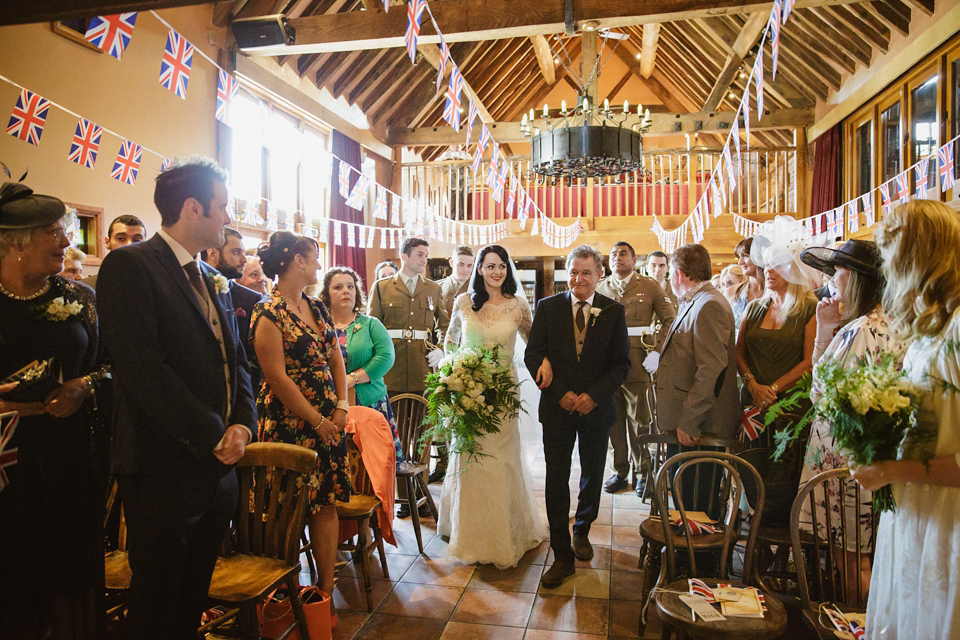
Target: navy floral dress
[(306, 356)]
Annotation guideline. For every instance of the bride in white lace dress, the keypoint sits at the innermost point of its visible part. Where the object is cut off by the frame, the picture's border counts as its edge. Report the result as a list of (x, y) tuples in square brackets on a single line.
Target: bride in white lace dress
[(487, 508)]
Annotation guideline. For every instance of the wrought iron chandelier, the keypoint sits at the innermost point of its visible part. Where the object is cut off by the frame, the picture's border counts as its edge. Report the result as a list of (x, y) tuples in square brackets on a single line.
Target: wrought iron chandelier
[(586, 142)]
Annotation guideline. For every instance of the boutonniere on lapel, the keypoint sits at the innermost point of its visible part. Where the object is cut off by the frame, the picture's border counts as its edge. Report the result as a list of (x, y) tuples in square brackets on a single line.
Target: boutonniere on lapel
[(220, 283), (59, 309), (239, 312), (594, 314)]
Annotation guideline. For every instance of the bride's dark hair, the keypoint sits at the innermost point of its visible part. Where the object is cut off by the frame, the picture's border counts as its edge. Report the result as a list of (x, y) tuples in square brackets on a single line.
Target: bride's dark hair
[(480, 295)]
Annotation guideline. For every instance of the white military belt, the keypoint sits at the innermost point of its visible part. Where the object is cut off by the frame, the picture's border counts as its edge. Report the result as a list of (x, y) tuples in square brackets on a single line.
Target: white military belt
[(640, 331), (407, 334)]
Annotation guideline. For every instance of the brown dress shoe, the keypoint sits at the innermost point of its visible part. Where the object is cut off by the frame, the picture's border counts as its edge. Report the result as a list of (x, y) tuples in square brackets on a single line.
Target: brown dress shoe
[(556, 574), (582, 548)]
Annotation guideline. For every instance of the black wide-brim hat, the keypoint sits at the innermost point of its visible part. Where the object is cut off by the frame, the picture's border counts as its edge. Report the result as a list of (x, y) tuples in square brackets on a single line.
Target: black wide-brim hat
[(21, 208), (862, 256)]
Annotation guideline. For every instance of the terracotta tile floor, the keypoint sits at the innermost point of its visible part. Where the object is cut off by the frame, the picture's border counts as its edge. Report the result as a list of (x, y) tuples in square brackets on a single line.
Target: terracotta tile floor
[(429, 597)]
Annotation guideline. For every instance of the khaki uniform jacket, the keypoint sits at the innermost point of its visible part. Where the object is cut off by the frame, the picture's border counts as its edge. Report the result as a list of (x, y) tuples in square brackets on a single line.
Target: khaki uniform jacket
[(392, 304), (450, 289), (643, 299)]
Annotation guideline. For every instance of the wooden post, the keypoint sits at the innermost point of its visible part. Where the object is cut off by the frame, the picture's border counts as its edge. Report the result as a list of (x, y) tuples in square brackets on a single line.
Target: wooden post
[(803, 206), (588, 59)]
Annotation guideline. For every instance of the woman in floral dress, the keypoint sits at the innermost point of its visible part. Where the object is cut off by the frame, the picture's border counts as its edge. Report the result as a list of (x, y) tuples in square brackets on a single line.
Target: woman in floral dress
[(302, 399)]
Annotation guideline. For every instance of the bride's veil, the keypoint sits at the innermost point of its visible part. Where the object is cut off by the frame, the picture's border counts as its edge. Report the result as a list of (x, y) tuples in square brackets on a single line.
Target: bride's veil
[(529, 418)]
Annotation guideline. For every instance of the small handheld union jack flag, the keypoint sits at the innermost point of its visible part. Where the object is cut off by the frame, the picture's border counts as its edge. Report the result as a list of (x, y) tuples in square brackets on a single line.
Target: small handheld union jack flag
[(920, 175), (451, 112), (380, 207), (127, 164), (227, 87), (86, 143), (751, 424), (867, 201), (8, 456), (29, 117), (344, 179), (471, 117), (175, 64), (359, 193), (111, 33), (700, 588), (775, 35), (903, 190), (945, 165), (415, 10)]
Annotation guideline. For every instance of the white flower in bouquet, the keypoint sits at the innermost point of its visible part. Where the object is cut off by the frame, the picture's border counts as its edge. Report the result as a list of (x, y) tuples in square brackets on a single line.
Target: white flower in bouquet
[(60, 310)]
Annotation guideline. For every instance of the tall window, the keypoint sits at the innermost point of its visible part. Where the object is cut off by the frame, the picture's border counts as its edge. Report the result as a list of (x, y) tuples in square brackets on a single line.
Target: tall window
[(924, 127), (863, 141), (283, 141), (890, 141), (246, 118)]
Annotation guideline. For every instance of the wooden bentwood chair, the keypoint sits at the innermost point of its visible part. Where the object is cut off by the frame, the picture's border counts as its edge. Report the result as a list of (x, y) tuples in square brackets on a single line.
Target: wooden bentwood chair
[(674, 614), (831, 554), (409, 410), (271, 518)]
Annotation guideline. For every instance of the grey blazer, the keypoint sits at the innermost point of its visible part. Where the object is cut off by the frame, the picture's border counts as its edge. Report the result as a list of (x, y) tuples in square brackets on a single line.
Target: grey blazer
[(697, 377)]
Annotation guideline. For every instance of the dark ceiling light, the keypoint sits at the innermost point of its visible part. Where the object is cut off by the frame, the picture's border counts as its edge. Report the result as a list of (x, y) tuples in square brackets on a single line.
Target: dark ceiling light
[(262, 31)]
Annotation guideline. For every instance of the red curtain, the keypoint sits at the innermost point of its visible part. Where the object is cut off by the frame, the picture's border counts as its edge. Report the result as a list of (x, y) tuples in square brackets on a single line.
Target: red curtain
[(345, 256), (827, 187)]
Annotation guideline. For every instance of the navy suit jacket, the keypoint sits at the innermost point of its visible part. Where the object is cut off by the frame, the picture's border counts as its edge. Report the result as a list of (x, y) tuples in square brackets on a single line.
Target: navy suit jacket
[(167, 365), (604, 360)]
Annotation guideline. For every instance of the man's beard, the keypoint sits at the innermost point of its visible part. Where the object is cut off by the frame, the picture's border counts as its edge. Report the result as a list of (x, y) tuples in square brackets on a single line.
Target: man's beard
[(229, 272)]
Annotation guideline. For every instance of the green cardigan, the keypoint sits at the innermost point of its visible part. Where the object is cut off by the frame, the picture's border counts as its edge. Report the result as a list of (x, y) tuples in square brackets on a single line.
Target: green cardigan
[(370, 348)]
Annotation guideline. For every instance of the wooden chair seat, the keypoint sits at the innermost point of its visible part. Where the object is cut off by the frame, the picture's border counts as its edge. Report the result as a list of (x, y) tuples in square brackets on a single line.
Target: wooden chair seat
[(812, 619), (410, 470), (359, 507), (116, 566), (676, 614), (652, 530), (244, 578)]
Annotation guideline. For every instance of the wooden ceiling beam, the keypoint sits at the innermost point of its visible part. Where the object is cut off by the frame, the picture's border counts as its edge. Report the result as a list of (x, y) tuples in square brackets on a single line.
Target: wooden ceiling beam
[(396, 71), (925, 6), (870, 20), (890, 16), (339, 70), (819, 29), (813, 41), (224, 12), (804, 62), (662, 124), (469, 20), (403, 101), (648, 49), (623, 80), (745, 41), (407, 81), (860, 28), (456, 53), (364, 66), (541, 49), (690, 57), (431, 54)]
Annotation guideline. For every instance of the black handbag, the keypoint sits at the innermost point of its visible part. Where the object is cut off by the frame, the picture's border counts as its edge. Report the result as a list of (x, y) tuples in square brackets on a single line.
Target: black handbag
[(37, 380)]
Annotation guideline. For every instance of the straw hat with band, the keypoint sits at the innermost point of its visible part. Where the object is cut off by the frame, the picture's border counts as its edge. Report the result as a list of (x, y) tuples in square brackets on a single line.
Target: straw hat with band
[(861, 256)]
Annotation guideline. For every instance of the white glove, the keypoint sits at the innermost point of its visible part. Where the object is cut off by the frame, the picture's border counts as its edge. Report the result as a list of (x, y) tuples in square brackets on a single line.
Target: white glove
[(651, 362), (434, 357)]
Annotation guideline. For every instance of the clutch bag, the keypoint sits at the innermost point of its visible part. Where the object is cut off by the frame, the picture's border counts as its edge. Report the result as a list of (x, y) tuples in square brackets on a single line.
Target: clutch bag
[(37, 380)]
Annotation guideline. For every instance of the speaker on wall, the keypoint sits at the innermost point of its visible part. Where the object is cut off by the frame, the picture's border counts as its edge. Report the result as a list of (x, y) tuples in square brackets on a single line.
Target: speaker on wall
[(262, 31)]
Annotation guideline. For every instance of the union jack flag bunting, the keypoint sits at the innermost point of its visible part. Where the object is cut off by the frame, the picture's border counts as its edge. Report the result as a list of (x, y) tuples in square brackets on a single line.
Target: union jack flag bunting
[(758, 78), (477, 159), (86, 143), (885, 198), (165, 164), (175, 64), (751, 424), (867, 201), (29, 117), (415, 10), (481, 147), (731, 172), (700, 588), (920, 174), (511, 195), (853, 216), (787, 8), (227, 87), (903, 189), (494, 168), (444, 56), (775, 14), (501, 180), (451, 111), (344, 179), (746, 113), (696, 526), (521, 203), (945, 165), (471, 118), (735, 134), (380, 206), (8, 457), (359, 193), (111, 33), (127, 164), (395, 210)]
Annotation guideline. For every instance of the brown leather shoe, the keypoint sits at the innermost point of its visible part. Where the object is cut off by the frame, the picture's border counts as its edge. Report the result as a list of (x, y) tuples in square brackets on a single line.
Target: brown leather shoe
[(582, 548), (555, 575)]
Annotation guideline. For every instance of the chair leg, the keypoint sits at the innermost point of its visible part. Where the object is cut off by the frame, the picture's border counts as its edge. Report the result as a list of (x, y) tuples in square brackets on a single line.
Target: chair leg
[(364, 562), (306, 546), (378, 538), (414, 511), (426, 493), (297, 605)]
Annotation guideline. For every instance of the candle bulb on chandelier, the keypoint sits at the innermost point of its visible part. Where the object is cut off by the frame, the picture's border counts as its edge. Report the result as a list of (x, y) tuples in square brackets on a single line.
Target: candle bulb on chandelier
[(606, 105), (532, 115), (626, 106), (563, 106), (545, 109), (640, 109)]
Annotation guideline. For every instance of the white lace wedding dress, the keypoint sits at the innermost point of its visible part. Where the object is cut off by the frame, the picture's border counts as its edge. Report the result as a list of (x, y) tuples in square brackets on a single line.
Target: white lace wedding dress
[(487, 507)]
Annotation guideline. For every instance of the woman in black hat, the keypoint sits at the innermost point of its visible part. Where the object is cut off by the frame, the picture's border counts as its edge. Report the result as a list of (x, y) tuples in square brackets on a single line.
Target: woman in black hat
[(50, 526), (851, 326)]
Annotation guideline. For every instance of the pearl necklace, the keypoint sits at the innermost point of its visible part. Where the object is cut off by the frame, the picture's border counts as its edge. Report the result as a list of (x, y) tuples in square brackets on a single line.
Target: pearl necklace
[(32, 296)]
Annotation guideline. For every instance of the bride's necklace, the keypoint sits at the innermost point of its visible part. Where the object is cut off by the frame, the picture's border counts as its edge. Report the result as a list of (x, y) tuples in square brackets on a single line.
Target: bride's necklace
[(32, 296)]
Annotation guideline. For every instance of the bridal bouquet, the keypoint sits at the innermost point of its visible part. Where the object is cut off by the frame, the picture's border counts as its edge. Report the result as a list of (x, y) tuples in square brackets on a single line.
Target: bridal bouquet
[(871, 409), (468, 396)]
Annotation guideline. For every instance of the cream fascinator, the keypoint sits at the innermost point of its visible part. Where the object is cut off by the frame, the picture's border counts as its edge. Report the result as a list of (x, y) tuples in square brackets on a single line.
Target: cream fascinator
[(777, 245)]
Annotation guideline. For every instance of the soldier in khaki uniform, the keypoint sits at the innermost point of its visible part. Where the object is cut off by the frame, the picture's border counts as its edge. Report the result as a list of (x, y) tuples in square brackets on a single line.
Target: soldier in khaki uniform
[(643, 298)]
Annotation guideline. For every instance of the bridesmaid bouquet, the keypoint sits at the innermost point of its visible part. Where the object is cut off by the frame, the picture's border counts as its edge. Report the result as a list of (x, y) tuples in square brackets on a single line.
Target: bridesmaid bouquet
[(871, 409), (468, 396)]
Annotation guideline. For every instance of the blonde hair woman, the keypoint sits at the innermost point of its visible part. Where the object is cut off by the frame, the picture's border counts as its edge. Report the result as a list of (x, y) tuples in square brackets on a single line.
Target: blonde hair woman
[(731, 279), (914, 592)]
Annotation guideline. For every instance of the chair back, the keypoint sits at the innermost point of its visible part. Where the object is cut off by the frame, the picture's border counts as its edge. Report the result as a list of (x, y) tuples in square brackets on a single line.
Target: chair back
[(838, 508), (661, 441), (409, 410), (113, 503), (359, 480), (726, 482), (274, 488)]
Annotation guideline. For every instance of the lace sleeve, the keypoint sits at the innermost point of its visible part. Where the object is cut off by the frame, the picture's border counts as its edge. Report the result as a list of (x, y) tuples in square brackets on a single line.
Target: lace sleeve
[(454, 332), (526, 318)]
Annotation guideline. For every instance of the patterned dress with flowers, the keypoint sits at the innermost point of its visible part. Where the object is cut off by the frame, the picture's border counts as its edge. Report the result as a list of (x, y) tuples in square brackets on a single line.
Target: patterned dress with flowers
[(306, 356), (865, 337)]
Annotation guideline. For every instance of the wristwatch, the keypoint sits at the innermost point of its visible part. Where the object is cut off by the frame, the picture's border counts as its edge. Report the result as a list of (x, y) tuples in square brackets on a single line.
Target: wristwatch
[(343, 404)]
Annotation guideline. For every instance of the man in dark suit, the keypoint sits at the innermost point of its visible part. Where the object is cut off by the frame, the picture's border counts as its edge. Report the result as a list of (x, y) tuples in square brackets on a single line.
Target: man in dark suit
[(184, 409), (584, 336)]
